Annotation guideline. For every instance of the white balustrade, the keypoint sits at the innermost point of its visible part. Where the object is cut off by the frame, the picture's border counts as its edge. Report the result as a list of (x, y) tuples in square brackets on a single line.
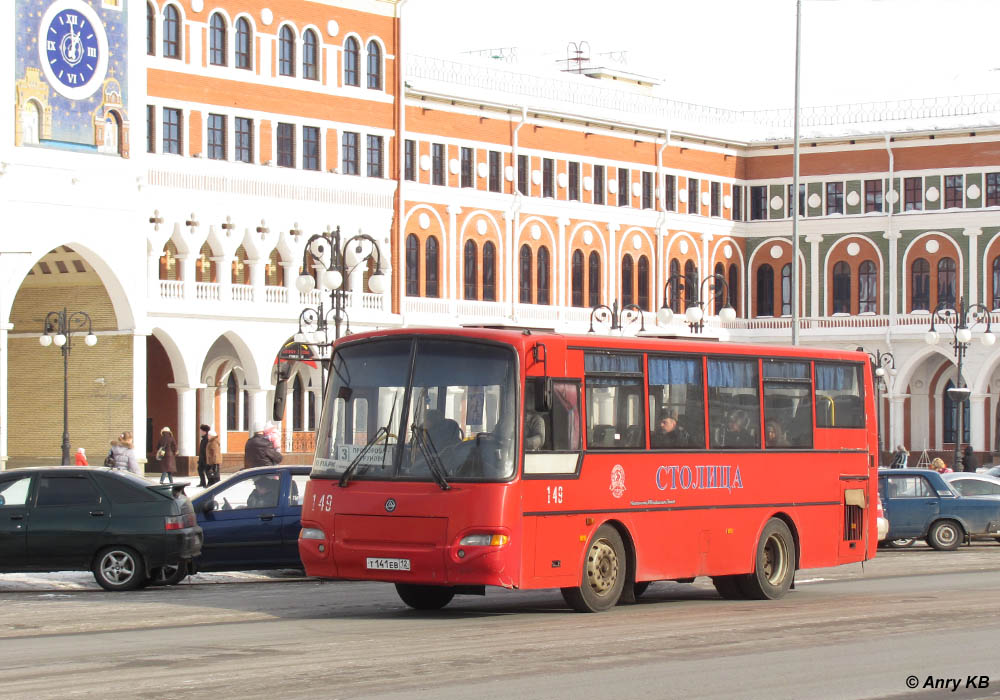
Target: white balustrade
[(242, 292), (276, 295), (171, 289), (207, 291)]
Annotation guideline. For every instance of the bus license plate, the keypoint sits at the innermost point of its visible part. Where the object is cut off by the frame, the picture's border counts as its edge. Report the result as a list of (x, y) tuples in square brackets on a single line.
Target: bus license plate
[(388, 564)]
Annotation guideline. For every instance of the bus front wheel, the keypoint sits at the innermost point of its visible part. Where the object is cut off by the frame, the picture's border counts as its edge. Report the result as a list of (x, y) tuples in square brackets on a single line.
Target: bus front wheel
[(604, 573), (424, 597), (774, 567)]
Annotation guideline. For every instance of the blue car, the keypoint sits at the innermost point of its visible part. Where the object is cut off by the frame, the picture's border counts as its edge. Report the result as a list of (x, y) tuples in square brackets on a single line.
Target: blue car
[(251, 520), (921, 504)]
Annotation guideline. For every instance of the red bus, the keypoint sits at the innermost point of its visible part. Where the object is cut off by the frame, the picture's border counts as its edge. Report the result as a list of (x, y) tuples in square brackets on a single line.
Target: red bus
[(452, 460)]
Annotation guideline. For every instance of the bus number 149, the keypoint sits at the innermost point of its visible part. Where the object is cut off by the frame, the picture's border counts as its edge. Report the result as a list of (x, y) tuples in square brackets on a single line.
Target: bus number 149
[(553, 494)]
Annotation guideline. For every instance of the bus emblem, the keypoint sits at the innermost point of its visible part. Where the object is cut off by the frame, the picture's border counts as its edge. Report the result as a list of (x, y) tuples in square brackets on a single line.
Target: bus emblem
[(617, 481), (390, 505)]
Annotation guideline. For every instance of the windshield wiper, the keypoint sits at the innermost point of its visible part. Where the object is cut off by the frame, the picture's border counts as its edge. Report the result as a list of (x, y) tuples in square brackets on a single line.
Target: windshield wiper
[(383, 430), (430, 454)]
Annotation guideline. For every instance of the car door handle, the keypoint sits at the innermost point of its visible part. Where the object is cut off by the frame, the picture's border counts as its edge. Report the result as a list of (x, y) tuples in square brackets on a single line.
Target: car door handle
[(17, 517), (267, 517), (97, 513)]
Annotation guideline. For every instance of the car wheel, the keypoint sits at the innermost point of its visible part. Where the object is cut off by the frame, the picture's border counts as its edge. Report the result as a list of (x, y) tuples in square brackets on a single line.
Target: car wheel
[(169, 574), (424, 597), (900, 543), (945, 535), (119, 569)]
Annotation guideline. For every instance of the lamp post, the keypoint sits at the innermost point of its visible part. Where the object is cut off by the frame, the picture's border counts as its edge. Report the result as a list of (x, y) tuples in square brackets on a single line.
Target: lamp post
[(694, 314), (884, 364), (58, 329), (617, 318), (960, 322)]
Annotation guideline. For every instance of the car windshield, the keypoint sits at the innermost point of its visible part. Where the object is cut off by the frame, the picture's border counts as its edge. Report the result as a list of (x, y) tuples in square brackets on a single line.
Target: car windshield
[(419, 409)]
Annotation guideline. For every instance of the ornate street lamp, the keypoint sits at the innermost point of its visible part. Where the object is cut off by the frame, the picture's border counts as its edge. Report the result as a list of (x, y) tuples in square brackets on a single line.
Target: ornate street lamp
[(58, 330), (694, 315), (961, 323), (885, 365), (616, 318)]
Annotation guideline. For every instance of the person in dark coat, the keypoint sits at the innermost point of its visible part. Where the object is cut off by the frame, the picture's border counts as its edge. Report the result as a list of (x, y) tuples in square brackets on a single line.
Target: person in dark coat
[(203, 456), (969, 461), (166, 455), (899, 458), (259, 451)]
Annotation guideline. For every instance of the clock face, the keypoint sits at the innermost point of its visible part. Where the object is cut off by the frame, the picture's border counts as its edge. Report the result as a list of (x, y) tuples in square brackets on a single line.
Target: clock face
[(73, 48)]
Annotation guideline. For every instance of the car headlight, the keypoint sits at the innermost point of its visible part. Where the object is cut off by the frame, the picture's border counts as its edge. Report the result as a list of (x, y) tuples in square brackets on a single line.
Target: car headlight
[(311, 533), (484, 540)]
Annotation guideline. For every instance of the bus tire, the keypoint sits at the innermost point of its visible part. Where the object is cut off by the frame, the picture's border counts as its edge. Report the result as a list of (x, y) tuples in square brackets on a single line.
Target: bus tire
[(604, 573), (774, 566), (945, 535), (729, 587), (424, 597)]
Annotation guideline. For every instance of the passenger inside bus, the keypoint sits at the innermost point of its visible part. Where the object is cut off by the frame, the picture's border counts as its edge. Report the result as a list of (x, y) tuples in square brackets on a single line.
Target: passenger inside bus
[(738, 432), (534, 422), (669, 433), (774, 435), (443, 432)]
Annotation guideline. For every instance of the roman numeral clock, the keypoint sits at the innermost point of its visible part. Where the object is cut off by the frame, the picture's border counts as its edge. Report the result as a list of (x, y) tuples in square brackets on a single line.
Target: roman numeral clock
[(73, 48)]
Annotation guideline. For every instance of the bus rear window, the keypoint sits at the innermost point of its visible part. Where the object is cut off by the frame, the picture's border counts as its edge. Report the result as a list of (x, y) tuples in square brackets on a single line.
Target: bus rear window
[(839, 395)]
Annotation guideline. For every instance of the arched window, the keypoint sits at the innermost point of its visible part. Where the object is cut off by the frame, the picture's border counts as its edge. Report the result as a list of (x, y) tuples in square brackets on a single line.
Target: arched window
[(577, 278), (286, 51), (274, 273), (171, 32), (351, 58), (150, 30), (765, 290), (675, 282), (525, 290), (232, 403), (244, 44), (544, 277), (719, 297), (246, 406), (311, 407), (469, 270), (489, 271), (920, 285), (950, 410), (867, 288), (217, 40), (841, 288), (643, 281), (627, 281), (996, 285), (431, 267), (412, 266), (204, 266), (374, 65), (297, 404), (594, 279), (310, 55), (691, 291), (734, 287), (786, 289), (241, 268), (946, 281), (170, 268)]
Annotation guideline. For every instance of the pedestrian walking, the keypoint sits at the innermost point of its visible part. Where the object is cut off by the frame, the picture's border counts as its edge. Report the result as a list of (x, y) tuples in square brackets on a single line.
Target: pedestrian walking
[(166, 455), (81, 457), (899, 458), (122, 456), (259, 450), (969, 461), (213, 455), (202, 456)]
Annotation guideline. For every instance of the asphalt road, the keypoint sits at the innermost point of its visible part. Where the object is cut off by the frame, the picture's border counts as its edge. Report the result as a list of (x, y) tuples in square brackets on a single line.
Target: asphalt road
[(851, 632)]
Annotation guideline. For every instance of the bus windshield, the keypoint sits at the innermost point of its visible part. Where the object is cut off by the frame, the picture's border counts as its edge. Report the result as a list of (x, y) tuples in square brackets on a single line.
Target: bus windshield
[(419, 410)]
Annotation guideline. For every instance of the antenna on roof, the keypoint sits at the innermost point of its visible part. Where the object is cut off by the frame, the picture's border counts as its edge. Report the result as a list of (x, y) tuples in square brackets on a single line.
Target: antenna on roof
[(577, 54)]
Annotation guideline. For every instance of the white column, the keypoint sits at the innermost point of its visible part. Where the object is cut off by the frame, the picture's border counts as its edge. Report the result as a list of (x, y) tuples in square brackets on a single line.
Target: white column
[(153, 275), (611, 283), (257, 278), (509, 263), (206, 411), (661, 268), (4, 350), (897, 424), (972, 264), (892, 280), (977, 423), (187, 423), (451, 266), (561, 259), (290, 272), (185, 263), (139, 407), (259, 412), (220, 427), (813, 239), (224, 274)]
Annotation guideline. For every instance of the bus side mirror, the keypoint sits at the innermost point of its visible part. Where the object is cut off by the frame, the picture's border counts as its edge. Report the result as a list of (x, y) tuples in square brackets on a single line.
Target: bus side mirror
[(280, 389), (543, 394)]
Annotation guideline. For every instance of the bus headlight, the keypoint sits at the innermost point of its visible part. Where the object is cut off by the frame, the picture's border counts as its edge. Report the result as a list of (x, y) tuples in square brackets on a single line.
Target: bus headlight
[(311, 533), (484, 540)]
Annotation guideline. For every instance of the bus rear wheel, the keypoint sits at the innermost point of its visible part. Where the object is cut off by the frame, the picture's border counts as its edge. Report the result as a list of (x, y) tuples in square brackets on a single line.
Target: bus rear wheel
[(604, 573), (424, 597), (774, 567)]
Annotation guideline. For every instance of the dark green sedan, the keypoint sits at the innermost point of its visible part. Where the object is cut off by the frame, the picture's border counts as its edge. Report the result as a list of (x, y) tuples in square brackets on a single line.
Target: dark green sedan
[(128, 531)]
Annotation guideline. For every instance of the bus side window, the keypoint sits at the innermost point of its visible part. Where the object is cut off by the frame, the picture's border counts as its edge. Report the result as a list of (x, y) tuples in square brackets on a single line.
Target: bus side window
[(839, 395), (560, 424)]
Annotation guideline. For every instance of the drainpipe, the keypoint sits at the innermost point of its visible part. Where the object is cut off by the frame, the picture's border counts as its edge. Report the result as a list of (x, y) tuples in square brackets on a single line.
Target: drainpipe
[(514, 218), (660, 220), (400, 279), (893, 246)]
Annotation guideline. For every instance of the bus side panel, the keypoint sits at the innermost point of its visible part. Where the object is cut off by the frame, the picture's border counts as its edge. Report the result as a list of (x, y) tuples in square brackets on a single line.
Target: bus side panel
[(560, 541)]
